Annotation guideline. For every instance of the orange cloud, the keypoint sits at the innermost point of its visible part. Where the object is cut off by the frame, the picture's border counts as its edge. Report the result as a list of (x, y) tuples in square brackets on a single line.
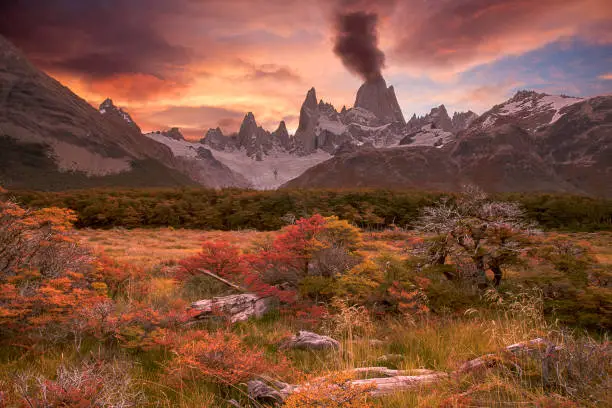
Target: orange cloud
[(606, 76), (130, 87)]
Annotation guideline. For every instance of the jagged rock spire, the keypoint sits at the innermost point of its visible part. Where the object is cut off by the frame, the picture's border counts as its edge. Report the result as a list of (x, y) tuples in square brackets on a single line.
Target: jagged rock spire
[(375, 97)]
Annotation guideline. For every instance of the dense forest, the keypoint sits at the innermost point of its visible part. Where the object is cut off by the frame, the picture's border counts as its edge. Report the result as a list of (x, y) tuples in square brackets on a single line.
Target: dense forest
[(232, 209)]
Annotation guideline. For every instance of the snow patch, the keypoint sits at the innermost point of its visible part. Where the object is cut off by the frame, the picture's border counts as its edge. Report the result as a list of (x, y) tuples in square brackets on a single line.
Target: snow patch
[(335, 127), (274, 170), (489, 121), (180, 148), (558, 103), (428, 136)]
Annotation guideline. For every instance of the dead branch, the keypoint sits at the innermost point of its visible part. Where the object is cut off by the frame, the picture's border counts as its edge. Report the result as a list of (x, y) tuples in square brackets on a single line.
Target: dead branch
[(220, 279), (397, 380)]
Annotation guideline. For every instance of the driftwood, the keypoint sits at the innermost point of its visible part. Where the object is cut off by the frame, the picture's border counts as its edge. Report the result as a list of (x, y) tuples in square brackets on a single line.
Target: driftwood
[(390, 381), (235, 308)]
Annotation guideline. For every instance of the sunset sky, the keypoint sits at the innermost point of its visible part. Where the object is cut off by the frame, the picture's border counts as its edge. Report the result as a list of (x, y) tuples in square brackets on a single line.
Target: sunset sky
[(197, 64)]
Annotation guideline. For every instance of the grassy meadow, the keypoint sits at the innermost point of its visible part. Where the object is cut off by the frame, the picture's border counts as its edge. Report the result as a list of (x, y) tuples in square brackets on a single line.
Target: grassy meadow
[(135, 348)]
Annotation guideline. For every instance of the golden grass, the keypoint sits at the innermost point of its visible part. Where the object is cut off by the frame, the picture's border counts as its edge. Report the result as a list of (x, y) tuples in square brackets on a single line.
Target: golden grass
[(150, 247)]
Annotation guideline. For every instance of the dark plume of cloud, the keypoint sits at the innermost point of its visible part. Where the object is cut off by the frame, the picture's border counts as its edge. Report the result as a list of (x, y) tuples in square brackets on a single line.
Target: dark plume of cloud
[(356, 43)]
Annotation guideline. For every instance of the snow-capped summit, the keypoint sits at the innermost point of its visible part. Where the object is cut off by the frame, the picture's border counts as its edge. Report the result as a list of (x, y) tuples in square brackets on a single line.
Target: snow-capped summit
[(529, 110)]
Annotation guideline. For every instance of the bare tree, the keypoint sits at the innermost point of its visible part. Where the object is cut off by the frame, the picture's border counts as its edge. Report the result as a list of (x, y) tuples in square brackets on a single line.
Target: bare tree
[(490, 234)]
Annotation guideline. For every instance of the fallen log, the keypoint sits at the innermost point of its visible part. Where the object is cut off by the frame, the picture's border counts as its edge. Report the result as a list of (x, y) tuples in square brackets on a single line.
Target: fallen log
[(235, 308), (393, 380)]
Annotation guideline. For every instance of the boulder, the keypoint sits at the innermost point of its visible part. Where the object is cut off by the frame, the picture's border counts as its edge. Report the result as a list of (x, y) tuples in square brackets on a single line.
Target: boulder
[(274, 393), (305, 340)]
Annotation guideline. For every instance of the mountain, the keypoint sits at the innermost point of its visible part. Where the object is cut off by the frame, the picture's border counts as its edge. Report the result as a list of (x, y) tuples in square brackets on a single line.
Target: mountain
[(532, 142), (173, 133), (528, 109), (436, 128), (50, 139), (319, 127), (376, 119), (579, 145), (118, 115), (375, 97), (463, 120)]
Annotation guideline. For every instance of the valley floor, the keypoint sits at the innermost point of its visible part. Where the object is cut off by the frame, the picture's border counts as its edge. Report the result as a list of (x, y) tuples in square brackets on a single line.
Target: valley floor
[(440, 341)]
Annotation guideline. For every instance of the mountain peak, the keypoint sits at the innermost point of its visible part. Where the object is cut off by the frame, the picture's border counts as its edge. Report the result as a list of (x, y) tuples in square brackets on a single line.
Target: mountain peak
[(311, 99), (282, 127), (173, 133), (109, 108), (108, 103), (374, 96)]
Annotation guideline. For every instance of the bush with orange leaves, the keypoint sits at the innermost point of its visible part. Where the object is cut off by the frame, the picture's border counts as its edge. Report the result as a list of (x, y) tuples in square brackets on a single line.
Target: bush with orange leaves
[(37, 239), (220, 357), (333, 391), (42, 279)]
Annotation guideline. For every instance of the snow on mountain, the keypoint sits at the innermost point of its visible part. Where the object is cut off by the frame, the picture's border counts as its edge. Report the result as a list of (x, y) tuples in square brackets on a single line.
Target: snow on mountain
[(558, 103), (180, 148), (529, 110), (276, 169), (360, 116), (334, 126), (428, 135), (108, 107)]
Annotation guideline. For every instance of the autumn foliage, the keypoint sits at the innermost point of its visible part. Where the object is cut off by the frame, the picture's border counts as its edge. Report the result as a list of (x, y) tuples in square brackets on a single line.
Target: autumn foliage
[(219, 357), (43, 286)]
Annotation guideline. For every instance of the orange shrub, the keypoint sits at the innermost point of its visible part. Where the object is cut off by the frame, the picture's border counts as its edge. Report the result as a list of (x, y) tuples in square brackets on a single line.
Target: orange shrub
[(219, 357)]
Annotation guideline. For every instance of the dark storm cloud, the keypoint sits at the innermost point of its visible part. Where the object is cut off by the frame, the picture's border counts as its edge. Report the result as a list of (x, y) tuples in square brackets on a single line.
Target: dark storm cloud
[(96, 38)]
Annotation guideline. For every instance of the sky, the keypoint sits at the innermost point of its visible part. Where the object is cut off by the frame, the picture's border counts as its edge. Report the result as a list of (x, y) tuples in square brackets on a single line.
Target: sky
[(197, 64)]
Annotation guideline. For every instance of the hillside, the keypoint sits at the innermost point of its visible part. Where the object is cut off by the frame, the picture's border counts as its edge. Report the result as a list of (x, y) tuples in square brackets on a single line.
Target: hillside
[(51, 139)]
